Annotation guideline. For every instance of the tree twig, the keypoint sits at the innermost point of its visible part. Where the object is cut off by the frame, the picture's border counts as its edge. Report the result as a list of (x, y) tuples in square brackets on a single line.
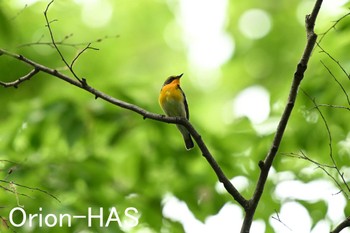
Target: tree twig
[(322, 35), (339, 83), (13, 184), (298, 77), (48, 25), (20, 80), (330, 142), (64, 43)]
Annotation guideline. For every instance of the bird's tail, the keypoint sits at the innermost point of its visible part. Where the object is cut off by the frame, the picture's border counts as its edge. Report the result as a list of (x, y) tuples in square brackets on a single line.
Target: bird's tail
[(187, 137)]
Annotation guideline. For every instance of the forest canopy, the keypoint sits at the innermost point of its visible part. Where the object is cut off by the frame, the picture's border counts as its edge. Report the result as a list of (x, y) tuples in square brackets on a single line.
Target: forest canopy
[(64, 150)]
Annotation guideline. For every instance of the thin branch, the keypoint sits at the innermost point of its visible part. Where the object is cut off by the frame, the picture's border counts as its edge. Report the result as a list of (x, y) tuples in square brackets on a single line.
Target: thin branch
[(334, 106), (48, 23), (336, 80), (81, 52), (330, 144), (20, 80), (335, 60), (279, 220), (20, 12), (298, 77), (174, 120), (322, 35), (27, 187), (64, 43), (12, 191), (323, 167), (305, 157)]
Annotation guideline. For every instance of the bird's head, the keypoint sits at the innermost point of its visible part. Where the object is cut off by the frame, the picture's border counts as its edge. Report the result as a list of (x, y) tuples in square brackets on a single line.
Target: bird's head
[(173, 80)]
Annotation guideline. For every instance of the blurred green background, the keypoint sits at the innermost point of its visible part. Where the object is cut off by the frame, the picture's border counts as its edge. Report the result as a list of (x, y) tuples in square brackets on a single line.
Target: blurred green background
[(238, 60)]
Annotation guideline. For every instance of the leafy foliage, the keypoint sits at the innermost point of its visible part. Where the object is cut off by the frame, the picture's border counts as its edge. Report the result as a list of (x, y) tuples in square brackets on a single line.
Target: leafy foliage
[(88, 153)]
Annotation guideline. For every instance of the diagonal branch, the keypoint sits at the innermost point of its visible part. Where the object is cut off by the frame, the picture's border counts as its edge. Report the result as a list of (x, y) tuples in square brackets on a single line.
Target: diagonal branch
[(342, 225), (20, 80), (298, 77), (339, 83), (330, 142), (146, 114), (332, 27)]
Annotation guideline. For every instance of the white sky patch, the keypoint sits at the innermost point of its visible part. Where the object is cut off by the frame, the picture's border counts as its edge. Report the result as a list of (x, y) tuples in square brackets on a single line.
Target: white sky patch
[(96, 13), (254, 103), (333, 7), (207, 43), (255, 23), (294, 218), (344, 146), (317, 190), (240, 182), (177, 210)]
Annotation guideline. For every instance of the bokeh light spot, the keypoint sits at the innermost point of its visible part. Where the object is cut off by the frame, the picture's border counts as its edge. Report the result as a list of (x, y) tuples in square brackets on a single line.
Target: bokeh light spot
[(255, 23)]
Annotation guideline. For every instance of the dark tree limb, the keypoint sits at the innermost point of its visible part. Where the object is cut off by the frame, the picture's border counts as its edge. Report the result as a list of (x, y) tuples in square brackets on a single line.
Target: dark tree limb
[(342, 226), (298, 77)]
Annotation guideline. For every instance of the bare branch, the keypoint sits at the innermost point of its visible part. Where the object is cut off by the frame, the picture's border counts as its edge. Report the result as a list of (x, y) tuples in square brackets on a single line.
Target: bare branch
[(64, 43), (336, 80), (81, 52), (334, 106), (27, 187), (305, 157), (322, 35), (335, 60), (12, 191), (341, 175), (20, 80), (278, 219), (323, 167), (298, 77), (54, 43), (20, 12)]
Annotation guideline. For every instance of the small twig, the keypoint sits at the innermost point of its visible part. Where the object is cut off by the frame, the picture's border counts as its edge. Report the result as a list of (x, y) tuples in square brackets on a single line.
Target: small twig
[(64, 43), (279, 220), (334, 106), (336, 80), (305, 157), (20, 80), (330, 144), (322, 35), (81, 52), (27, 187), (322, 167), (11, 191), (335, 60), (54, 43), (20, 12)]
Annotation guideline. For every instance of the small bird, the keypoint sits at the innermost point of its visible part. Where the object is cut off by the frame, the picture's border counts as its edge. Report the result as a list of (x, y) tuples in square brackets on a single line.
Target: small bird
[(173, 102)]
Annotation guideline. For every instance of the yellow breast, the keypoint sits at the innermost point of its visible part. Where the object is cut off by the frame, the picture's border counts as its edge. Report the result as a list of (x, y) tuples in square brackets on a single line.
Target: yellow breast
[(171, 100)]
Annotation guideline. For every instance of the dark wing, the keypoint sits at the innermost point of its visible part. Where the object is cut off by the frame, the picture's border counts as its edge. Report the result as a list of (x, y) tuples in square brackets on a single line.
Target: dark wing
[(185, 102)]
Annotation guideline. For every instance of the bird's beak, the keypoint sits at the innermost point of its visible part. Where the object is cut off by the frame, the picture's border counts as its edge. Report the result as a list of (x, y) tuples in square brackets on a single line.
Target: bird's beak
[(180, 75)]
